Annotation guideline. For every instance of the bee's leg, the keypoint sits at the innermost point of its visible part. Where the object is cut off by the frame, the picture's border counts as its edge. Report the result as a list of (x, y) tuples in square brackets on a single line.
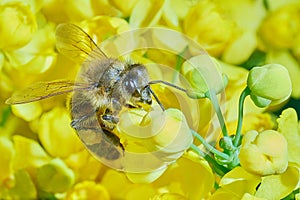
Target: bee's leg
[(109, 121), (75, 123)]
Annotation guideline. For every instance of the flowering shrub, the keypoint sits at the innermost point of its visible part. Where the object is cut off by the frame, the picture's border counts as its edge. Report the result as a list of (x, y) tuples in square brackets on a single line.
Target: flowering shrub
[(216, 137)]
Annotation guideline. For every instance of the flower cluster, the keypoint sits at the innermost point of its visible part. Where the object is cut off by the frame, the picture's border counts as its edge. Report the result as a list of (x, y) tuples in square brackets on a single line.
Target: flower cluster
[(212, 136)]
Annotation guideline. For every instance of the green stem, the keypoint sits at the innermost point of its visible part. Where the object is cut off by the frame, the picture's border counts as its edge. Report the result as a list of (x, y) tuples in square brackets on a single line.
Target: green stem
[(209, 147), (219, 169), (213, 98), (238, 133)]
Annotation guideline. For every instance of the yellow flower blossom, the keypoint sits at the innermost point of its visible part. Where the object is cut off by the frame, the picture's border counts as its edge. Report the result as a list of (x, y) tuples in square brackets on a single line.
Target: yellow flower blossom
[(22, 187), (28, 154), (201, 22), (29, 59), (264, 153), (245, 38), (177, 182), (235, 184), (17, 25), (288, 126), (84, 165), (279, 186), (54, 177), (56, 134), (88, 190), (281, 27), (146, 13), (29, 111), (8, 151), (161, 137)]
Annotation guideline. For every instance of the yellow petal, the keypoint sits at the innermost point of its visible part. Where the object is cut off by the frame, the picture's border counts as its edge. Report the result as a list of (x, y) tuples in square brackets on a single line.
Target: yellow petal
[(88, 190), (55, 177), (29, 153), (84, 165), (288, 126), (56, 134), (201, 22), (28, 111), (116, 183), (279, 186), (7, 151), (146, 13), (145, 177), (17, 24), (264, 153), (23, 187), (238, 181), (190, 177)]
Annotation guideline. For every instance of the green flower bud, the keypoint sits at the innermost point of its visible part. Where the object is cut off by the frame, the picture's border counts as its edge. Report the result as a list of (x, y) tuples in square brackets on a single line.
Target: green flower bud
[(260, 101), (270, 83), (203, 73), (55, 177)]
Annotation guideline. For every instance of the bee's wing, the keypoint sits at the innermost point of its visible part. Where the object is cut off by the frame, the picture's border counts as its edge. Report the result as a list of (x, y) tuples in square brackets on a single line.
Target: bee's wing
[(43, 90), (76, 44)]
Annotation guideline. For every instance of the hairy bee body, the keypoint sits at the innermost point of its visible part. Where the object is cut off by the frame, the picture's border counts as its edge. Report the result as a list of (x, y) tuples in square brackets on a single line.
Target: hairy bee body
[(102, 88)]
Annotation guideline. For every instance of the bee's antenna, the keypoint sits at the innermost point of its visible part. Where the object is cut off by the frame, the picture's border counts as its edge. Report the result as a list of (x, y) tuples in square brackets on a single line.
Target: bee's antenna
[(168, 84), (156, 98)]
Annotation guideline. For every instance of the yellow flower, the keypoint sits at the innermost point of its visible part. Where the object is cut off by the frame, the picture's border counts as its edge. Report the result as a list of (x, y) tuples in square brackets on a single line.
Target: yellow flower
[(205, 23), (37, 56), (279, 186), (7, 150), (288, 126), (125, 7), (54, 177), (235, 184), (21, 187), (153, 139), (264, 153), (270, 83), (245, 38), (29, 111), (29, 154), (56, 134), (239, 184), (146, 13), (188, 178), (17, 25), (88, 190), (281, 27), (84, 165)]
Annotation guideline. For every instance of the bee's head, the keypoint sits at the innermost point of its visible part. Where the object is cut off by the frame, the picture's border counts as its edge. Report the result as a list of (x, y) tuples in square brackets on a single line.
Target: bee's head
[(135, 85)]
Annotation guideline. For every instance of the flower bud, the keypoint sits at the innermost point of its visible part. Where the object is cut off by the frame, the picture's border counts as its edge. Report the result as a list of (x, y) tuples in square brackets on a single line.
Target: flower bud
[(153, 140), (270, 82), (203, 74), (17, 24), (264, 153), (55, 176)]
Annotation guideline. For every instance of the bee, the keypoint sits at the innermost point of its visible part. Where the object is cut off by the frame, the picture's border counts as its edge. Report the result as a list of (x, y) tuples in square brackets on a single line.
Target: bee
[(103, 87)]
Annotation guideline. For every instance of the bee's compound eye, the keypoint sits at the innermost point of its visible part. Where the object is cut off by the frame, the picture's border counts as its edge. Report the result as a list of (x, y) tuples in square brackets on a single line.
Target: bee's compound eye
[(146, 95)]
